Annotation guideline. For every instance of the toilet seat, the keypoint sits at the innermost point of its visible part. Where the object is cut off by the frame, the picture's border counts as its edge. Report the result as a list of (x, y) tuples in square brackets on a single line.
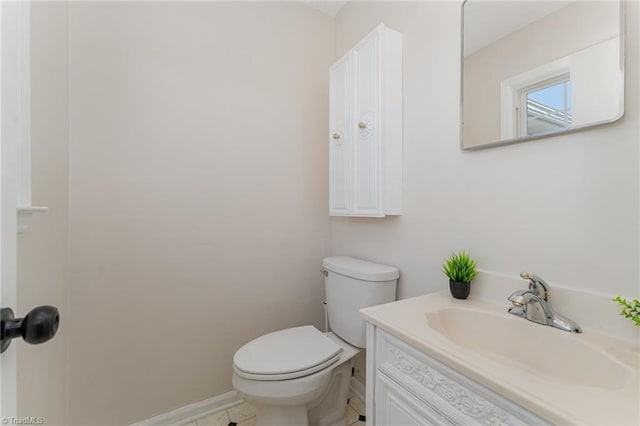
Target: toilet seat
[(286, 354)]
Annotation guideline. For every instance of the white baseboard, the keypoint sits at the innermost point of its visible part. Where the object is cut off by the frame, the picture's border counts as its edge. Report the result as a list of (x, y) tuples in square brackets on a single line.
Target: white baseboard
[(191, 412), (358, 388)]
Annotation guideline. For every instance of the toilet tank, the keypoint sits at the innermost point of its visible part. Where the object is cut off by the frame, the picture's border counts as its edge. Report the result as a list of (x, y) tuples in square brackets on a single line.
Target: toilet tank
[(350, 285)]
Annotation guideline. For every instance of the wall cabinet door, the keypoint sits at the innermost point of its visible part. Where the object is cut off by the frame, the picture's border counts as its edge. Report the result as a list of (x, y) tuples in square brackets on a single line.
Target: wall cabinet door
[(366, 143), (340, 138), (366, 128)]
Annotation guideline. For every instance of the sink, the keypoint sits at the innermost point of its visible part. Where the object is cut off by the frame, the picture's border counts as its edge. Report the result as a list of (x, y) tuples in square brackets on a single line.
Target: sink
[(564, 378), (543, 351)]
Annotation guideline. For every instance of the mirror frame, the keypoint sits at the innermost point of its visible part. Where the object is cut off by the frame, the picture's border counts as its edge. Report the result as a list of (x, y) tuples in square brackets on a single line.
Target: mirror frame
[(549, 134)]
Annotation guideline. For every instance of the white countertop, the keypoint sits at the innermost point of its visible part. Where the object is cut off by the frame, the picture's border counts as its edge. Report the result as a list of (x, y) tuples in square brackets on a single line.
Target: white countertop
[(547, 396)]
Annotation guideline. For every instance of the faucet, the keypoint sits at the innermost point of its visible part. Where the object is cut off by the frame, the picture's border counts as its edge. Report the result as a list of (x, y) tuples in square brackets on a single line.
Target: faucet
[(534, 305)]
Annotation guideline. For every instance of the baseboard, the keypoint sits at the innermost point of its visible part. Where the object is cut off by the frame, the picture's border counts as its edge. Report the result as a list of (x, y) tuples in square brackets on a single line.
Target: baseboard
[(197, 410), (358, 388)]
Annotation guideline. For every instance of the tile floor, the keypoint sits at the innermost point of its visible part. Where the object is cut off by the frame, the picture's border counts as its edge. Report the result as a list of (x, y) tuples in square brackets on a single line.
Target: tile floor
[(244, 415)]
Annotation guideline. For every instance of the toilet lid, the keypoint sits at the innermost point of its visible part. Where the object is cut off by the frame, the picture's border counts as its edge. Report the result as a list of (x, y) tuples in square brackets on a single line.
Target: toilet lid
[(286, 354)]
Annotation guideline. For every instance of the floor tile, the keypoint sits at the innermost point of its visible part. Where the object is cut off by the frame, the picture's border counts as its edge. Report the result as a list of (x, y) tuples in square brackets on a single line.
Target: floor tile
[(352, 416), (241, 412), (217, 419), (245, 414), (250, 422)]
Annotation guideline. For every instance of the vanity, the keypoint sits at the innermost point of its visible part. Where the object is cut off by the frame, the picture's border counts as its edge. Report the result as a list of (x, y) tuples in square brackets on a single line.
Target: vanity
[(433, 359)]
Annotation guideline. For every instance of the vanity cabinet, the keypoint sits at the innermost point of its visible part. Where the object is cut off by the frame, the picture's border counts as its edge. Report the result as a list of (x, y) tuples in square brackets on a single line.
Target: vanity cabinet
[(365, 138), (408, 387)]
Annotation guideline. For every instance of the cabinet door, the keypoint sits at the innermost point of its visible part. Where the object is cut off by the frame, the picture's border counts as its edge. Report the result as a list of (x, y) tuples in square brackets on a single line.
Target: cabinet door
[(395, 406), (367, 177), (340, 138)]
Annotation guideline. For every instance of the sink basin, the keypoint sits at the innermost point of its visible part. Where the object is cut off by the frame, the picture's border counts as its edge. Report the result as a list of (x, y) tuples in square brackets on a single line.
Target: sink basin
[(543, 351)]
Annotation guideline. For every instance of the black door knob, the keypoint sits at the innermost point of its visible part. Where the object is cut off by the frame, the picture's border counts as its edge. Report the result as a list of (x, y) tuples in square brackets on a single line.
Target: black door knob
[(38, 326)]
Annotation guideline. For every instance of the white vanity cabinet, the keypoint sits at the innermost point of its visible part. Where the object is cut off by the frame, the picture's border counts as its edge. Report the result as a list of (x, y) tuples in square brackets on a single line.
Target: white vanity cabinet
[(407, 387), (365, 138)]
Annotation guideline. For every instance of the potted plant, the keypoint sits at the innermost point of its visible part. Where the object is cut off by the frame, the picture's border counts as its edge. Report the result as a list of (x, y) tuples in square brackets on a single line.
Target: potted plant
[(630, 309), (461, 270)]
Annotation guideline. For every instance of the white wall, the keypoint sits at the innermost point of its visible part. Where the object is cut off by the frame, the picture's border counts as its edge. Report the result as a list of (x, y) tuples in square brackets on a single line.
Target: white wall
[(565, 208), (198, 194), (43, 261)]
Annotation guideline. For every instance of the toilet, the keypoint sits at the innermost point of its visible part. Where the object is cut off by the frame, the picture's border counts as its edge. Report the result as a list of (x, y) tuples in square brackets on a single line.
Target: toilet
[(301, 376)]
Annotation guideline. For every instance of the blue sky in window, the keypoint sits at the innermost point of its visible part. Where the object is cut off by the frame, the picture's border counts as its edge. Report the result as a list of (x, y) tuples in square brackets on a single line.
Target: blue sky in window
[(552, 96)]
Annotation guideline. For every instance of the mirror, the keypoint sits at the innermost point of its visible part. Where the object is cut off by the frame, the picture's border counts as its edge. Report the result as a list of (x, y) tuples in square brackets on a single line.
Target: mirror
[(534, 69)]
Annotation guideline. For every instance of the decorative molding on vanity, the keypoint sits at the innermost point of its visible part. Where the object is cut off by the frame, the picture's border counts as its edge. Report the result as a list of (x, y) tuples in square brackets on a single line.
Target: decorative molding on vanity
[(441, 392), (453, 393), (194, 411)]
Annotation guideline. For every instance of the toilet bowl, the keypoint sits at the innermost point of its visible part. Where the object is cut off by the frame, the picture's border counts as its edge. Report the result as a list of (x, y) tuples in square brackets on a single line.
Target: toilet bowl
[(291, 401), (300, 376)]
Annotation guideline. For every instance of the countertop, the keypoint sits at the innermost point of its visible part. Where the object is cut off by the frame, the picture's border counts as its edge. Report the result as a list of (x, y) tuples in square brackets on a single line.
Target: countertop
[(547, 396)]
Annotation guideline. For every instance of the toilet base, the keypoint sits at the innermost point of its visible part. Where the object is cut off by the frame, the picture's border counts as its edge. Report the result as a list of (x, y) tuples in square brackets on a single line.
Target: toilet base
[(329, 409), (274, 415)]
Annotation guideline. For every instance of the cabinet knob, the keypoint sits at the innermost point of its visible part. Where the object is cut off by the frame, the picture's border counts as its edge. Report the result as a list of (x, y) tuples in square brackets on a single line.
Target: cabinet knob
[(336, 136), (362, 125)]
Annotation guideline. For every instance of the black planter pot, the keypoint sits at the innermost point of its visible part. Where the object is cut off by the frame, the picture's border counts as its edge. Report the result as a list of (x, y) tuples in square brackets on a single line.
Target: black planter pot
[(459, 290)]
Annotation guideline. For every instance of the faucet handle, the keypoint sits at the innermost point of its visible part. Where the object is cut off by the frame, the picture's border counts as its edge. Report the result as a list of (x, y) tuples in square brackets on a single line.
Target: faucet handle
[(537, 285)]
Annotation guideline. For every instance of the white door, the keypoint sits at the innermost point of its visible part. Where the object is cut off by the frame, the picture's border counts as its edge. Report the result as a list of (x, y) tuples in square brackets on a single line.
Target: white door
[(15, 197), (8, 208), (396, 406)]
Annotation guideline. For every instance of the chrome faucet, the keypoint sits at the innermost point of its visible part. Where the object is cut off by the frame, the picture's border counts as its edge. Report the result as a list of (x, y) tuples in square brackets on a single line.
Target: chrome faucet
[(534, 305)]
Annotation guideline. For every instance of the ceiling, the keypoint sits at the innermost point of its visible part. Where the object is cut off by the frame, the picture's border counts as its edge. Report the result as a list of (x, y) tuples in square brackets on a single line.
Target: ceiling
[(328, 7)]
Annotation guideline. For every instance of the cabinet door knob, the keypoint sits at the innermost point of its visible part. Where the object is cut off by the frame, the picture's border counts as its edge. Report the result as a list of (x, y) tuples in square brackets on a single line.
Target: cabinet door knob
[(336, 136), (362, 125)]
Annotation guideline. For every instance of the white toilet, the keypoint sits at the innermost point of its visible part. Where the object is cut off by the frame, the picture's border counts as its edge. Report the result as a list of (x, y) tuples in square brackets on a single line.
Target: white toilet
[(300, 376)]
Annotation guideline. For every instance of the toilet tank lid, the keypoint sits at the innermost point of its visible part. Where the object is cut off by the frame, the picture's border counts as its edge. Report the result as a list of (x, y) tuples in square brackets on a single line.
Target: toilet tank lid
[(360, 269)]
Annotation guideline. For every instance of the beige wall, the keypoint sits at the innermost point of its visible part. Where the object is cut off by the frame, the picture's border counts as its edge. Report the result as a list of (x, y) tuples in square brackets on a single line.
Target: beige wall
[(531, 47), (565, 208), (43, 272), (198, 194)]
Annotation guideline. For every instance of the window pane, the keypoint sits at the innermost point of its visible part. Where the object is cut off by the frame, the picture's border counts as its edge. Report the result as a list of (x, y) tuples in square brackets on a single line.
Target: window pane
[(549, 108), (552, 96), (569, 105)]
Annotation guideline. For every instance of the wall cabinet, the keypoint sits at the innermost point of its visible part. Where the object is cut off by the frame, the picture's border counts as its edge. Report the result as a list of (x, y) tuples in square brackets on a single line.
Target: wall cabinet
[(365, 138), (408, 387)]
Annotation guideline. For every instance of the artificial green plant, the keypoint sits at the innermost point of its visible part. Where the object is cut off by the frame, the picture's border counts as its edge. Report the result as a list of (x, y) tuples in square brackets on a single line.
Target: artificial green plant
[(460, 267)]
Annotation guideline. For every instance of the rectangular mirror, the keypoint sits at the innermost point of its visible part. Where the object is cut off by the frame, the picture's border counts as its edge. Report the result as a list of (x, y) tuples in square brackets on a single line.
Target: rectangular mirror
[(534, 69)]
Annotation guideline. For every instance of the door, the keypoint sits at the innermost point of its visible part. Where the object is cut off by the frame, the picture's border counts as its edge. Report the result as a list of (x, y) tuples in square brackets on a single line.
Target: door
[(340, 137), (41, 323), (398, 407), (366, 147), (8, 195)]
